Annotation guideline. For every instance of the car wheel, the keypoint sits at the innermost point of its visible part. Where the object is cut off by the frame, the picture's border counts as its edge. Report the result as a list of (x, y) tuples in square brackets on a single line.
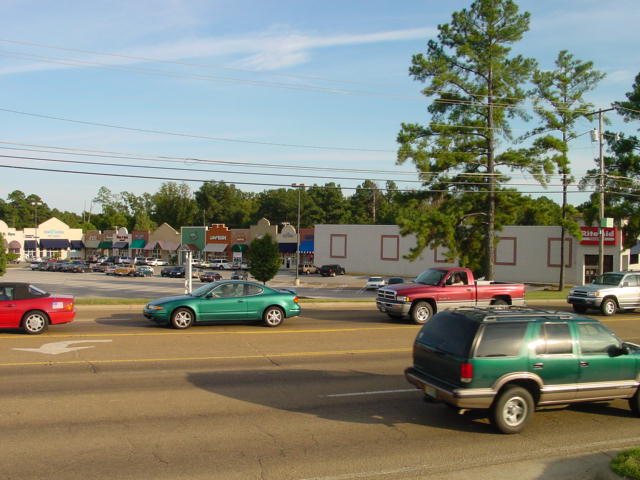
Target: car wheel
[(421, 312), (634, 403), (579, 308), (608, 306), (182, 318), (512, 410), (34, 322), (273, 316), (499, 302)]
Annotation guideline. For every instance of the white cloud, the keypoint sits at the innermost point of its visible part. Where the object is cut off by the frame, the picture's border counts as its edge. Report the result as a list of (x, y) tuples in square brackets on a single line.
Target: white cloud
[(270, 50)]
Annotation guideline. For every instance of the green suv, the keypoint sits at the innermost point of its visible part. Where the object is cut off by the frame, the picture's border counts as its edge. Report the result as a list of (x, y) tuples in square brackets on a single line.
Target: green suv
[(510, 360)]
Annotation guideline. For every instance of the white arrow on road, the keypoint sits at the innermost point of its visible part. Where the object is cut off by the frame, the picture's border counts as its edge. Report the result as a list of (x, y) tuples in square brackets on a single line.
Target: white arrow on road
[(57, 348)]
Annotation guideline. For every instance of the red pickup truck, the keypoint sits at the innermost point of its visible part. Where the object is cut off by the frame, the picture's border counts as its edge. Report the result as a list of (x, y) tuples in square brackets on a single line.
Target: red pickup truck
[(438, 289)]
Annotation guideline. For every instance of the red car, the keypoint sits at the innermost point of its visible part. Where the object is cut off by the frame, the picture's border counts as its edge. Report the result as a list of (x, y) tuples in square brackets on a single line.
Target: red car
[(32, 310)]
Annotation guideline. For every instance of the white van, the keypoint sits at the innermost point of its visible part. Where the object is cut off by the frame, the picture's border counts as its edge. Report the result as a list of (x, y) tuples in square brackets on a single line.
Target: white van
[(219, 264)]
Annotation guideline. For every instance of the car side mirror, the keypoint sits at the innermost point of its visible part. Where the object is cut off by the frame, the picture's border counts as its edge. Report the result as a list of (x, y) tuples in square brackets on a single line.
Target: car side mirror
[(616, 351)]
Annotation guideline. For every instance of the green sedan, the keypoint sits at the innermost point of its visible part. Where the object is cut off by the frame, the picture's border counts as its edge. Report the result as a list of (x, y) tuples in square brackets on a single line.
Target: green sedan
[(225, 301)]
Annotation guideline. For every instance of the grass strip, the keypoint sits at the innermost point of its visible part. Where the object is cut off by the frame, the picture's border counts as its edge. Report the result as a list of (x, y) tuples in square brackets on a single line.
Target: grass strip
[(627, 464)]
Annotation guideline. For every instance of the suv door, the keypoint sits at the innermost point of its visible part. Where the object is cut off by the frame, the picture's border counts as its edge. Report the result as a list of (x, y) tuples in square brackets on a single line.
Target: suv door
[(554, 359), (603, 375), (629, 296)]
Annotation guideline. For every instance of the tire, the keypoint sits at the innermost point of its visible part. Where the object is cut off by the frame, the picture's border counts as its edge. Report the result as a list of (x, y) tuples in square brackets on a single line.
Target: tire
[(634, 403), (421, 312), (512, 410), (499, 302), (608, 307), (273, 317), (182, 318), (579, 308), (34, 322)]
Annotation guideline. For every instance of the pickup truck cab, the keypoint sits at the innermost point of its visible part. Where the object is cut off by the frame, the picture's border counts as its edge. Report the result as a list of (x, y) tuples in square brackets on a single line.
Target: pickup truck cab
[(607, 293), (439, 289)]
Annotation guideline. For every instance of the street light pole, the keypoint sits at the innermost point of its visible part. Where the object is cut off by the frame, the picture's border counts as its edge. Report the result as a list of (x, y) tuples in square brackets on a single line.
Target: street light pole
[(35, 204), (299, 186)]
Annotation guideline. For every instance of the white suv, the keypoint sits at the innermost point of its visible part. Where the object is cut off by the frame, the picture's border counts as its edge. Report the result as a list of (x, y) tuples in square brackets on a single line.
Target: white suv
[(220, 264)]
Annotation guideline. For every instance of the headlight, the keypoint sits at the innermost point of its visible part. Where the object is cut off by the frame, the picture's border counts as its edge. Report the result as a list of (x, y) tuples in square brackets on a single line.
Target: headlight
[(154, 307), (403, 299), (594, 294)]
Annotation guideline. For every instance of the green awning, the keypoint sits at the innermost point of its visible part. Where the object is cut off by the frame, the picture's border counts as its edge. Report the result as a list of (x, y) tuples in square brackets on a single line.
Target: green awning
[(106, 244), (240, 247), (138, 243)]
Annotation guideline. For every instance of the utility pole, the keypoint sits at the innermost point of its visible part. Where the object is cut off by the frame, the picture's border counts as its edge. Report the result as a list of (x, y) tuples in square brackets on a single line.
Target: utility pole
[(601, 186)]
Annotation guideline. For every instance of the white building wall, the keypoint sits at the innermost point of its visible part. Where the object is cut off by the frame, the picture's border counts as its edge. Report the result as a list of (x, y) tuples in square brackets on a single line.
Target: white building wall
[(523, 254), (371, 249)]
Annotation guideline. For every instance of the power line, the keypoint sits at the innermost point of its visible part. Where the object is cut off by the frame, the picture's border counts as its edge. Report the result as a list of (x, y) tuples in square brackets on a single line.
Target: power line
[(287, 185), (170, 159), (186, 135), (296, 175)]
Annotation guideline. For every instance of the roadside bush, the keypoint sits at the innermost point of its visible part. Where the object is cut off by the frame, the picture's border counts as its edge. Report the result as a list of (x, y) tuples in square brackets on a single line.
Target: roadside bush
[(627, 464)]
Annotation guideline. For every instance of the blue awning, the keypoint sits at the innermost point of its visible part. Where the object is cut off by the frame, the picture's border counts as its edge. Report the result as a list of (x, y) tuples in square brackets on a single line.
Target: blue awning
[(54, 243), (29, 244), (288, 247), (121, 245), (306, 246), (77, 244)]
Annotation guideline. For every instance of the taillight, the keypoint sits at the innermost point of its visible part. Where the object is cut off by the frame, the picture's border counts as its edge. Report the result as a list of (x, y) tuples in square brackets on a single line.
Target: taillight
[(466, 372)]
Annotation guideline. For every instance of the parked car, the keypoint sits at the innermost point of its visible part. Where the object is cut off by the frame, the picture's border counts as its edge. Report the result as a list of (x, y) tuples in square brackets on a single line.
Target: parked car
[(78, 267), (124, 270), (308, 268), (155, 262), (375, 283), (607, 293), (143, 271), (511, 360), (177, 272), (111, 269), (166, 271), (140, 261), (438, 289), (331, 270), (220, 264), (31, 309), (210, 276), (225, 301), (395, 280)]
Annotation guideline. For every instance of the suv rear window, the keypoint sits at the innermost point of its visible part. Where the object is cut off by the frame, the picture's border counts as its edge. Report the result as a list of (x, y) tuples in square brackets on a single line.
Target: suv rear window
[(449, 332), (501, 340)]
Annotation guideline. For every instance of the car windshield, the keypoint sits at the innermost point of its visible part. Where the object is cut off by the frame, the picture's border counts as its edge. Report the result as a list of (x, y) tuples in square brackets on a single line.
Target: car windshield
[(202, 291), (608, 279), (375, 279), (431, 277)]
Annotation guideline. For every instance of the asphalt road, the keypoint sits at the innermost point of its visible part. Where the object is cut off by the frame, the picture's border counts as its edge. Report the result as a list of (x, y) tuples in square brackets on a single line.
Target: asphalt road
[(321, 397)]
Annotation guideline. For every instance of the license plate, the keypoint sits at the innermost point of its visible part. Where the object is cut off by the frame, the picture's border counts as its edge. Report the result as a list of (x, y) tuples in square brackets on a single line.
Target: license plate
[(430, 391)]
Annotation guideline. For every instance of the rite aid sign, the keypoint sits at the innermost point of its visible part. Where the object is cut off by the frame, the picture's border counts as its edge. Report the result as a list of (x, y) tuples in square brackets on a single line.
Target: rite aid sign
[(591, 235)]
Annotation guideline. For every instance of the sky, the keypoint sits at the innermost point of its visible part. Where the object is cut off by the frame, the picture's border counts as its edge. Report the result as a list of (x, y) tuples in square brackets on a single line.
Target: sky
[(259, 93)]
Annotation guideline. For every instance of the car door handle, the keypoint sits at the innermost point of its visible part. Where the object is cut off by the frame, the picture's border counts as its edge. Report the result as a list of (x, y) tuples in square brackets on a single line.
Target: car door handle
[(538, 365), (469, 290), (584, 364)]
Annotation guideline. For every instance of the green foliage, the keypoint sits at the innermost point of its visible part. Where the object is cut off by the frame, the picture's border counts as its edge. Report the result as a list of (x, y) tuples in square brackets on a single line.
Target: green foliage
[(477, 85), (626, 108), (264, 258), (3, 256), (627, 464), (221, 203), (174, 205)]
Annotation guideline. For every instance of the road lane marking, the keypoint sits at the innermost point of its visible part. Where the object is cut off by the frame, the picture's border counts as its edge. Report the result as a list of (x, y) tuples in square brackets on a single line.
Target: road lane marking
[(217, 357), (375, 392), (56, 348), (190, 332)]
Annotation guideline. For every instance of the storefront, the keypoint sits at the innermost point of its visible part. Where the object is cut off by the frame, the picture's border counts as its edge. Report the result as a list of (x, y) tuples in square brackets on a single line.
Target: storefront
[(218, 242), (193, 239), (163, 243)]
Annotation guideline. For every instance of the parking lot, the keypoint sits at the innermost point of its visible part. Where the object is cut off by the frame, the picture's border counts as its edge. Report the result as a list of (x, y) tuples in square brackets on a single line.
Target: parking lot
[(99, 285)]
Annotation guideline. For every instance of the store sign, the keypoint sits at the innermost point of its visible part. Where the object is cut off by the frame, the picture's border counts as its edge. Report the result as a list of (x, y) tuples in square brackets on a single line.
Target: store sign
[(591, 236), (218, 237)]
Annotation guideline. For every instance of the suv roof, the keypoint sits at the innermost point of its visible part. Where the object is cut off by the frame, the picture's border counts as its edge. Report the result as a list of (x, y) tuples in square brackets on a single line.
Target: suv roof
[(513, 313)]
